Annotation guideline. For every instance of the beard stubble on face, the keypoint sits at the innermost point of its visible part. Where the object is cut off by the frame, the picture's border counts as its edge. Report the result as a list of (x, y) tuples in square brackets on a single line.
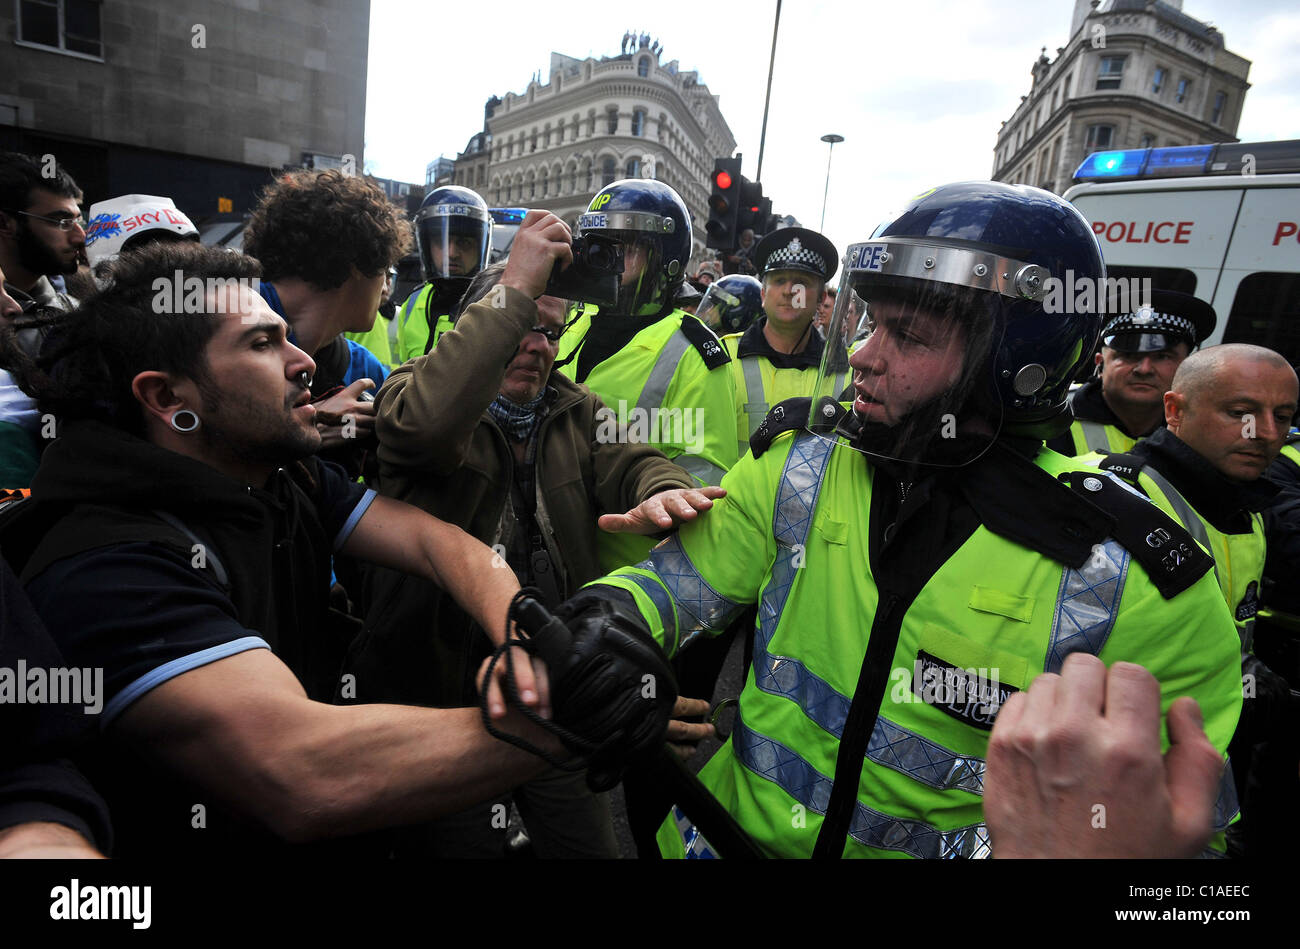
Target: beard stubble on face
[(238, 425), (37, 257)]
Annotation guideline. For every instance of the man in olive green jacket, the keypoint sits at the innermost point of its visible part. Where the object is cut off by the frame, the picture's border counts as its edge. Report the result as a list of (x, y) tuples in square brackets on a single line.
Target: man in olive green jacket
[(482, 433)]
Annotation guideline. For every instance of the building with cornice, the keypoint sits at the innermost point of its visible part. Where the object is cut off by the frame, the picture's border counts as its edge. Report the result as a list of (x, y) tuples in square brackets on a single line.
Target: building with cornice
[(1134, 74), (595, 121)]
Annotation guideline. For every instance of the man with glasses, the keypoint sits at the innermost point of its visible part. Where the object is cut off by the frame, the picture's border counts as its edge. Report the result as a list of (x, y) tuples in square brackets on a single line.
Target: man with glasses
[(41, 229), (483, 433)]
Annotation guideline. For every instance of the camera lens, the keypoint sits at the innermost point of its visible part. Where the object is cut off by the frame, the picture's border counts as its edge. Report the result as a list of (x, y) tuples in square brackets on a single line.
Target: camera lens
[(599, 257)]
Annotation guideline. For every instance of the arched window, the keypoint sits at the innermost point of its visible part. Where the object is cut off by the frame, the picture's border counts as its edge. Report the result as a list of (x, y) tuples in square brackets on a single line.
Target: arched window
[(588, 186), (643, 66), (611, 117), (532, 186), (632, 169), (543, 182), (573, 178), (638, 122), (607, 171)]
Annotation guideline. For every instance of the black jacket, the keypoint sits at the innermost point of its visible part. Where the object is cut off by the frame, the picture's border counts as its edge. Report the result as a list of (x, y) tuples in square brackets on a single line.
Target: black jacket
[(99, 487)]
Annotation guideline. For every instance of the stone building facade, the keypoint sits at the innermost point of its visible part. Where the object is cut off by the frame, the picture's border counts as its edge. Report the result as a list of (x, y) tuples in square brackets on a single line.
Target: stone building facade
[(595, 121), (1134, 74)]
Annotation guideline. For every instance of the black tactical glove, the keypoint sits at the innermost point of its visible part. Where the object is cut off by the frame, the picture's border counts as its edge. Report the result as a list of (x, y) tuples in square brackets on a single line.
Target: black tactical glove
[(612, 690)]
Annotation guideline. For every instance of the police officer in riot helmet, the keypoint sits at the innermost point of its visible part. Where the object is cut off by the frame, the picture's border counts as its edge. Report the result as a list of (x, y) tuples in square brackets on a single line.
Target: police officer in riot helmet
[(731, 304), (937, 538), (453, 234)]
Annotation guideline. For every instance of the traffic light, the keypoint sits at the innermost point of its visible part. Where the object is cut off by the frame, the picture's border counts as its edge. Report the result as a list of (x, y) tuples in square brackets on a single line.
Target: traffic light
[(724, 203), (751, 207)]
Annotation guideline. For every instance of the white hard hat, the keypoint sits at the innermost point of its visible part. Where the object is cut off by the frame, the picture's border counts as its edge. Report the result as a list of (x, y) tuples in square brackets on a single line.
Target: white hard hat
[(118, 220)]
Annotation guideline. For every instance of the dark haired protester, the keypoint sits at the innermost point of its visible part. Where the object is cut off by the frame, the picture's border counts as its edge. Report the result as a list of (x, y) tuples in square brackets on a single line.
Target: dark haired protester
[(326, 241), (42, 233), (483, 434), (179, 536)]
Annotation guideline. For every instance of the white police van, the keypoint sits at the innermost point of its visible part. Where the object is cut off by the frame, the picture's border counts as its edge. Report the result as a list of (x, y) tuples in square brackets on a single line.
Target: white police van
[(1221, 222)]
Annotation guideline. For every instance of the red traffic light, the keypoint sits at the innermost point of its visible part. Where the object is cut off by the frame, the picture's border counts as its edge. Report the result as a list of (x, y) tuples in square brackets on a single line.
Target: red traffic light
[(722, 180)]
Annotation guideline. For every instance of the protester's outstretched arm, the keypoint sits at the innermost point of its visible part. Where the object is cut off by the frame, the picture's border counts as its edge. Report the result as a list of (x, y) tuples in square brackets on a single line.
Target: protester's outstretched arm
[(1075, 770), (243, 727)]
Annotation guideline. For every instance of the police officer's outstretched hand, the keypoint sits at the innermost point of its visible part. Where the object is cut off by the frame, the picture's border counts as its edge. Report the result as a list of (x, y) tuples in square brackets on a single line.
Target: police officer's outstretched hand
[(1075, 770), (663, 510), (540, 241)]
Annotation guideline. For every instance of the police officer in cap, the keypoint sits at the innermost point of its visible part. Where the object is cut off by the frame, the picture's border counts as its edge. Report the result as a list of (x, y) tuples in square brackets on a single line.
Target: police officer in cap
[(1140, 353), (777, 357)]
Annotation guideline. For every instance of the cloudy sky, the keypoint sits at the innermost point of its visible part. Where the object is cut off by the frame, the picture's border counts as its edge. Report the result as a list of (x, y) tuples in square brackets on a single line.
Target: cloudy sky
[(918, 90)]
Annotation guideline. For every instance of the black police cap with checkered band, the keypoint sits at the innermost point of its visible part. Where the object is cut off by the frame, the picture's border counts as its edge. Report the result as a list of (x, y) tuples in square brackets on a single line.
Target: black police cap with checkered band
[(1171, 315), (797, 248)]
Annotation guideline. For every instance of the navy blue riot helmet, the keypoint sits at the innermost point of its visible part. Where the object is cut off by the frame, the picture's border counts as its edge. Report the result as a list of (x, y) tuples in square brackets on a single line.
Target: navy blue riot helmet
[(652, 223), (731, 304), (453, 233), (955, 319)]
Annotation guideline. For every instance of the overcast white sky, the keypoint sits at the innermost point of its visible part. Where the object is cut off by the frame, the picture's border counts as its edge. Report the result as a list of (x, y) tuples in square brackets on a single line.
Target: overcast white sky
[(918, 90)]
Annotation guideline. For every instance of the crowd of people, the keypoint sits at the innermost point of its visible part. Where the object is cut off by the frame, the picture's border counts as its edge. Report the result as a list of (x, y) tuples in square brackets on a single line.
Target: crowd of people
[(301, 533)]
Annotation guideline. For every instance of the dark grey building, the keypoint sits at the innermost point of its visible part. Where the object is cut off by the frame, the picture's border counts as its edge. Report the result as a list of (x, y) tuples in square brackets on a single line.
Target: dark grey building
[(197, 100)]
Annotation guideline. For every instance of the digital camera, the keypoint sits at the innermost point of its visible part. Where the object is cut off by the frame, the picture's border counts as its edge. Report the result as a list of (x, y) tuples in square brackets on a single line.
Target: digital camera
[(595, 273)]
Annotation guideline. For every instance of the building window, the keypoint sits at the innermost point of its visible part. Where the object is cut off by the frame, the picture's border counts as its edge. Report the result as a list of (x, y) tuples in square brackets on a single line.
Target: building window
[(643, 66), (532, 141), (573, 180), (1148, 141), (1220, 102), (633, 168), (607, 172), (1111, 72), (1184, 86), (1158, 80), (612, 118), (543, 182), (588, 186), (1099, 137), (638, 122), (591, 122), (68, 25), (546, 136)]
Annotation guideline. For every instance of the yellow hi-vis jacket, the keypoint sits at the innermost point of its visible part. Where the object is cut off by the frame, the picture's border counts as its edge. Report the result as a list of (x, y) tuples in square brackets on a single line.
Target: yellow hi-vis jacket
[(668, 387), (792, 535)]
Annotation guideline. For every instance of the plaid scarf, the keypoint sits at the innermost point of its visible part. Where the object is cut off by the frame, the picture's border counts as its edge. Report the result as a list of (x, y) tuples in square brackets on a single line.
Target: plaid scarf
[(517, 420)]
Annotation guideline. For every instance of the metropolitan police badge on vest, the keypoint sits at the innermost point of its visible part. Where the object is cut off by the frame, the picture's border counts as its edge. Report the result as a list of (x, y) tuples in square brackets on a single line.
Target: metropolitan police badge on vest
[(973, 696)]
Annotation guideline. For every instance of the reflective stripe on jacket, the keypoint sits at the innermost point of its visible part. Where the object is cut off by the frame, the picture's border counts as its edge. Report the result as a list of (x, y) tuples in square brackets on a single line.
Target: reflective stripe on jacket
[(759, 386)]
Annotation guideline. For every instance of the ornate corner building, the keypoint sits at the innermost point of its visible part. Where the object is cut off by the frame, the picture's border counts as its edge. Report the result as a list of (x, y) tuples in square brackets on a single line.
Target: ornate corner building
[(595, 121), (1134, 74)]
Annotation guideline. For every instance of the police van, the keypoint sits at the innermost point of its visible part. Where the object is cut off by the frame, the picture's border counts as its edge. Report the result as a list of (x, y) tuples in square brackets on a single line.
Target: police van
[(1221, 222)]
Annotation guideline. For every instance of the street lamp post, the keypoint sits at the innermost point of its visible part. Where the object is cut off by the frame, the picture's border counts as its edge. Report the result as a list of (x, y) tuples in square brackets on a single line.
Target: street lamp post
[(830, 139)]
